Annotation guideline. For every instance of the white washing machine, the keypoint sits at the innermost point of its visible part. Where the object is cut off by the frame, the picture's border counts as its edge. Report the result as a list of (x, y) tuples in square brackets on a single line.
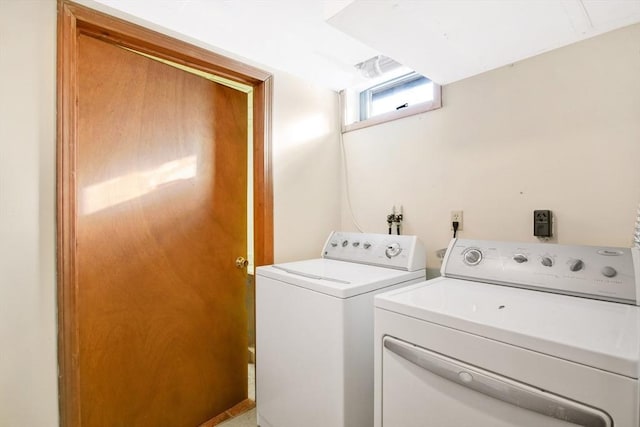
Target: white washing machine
[(314, 329), (513, 334)]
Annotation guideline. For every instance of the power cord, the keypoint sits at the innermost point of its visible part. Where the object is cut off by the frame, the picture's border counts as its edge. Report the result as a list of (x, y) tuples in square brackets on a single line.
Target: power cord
[(344, 168), (455, 225)]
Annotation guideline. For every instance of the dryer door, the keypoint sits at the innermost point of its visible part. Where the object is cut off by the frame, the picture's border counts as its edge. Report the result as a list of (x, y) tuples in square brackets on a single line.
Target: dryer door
[(421, 388)]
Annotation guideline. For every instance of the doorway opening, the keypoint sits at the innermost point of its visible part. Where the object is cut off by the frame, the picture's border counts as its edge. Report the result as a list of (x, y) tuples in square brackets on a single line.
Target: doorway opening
[(74, 23)]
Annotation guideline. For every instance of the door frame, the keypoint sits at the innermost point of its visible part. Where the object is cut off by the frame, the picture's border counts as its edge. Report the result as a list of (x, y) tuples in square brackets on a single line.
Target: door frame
[(73, 20)]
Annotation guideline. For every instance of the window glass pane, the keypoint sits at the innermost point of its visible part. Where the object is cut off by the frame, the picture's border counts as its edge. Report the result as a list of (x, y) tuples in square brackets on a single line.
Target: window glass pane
[(377, 102), (411, 92)]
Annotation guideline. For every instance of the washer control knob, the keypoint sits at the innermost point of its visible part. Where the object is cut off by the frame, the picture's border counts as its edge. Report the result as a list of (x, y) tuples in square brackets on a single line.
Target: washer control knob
[(334, 244), (472, 256), (520, 258), (345, 243), (366, 245), (609, 271), (356, 244), (393, 250), (576, 265), (547, 261)]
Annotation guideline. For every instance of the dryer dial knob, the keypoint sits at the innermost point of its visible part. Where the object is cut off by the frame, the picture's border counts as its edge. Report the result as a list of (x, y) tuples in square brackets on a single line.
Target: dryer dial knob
[(609, 272), (393, 250), (472, 256), (356, 244), (345, 243), (520, 258), (576, 265), (547, 261), (334, 244), (366, 245)]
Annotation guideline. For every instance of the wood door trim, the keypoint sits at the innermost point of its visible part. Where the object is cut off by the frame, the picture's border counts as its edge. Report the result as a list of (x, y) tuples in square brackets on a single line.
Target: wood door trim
[(139, 38), (73, 20), (262, 181)]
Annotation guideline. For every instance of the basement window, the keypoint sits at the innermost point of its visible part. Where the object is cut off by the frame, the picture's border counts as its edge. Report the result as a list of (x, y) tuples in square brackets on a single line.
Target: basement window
[(393, 98)]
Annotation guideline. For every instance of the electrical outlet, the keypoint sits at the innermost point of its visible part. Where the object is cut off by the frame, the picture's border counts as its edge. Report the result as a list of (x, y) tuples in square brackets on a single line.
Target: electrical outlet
[(456, 216), (542, 223)]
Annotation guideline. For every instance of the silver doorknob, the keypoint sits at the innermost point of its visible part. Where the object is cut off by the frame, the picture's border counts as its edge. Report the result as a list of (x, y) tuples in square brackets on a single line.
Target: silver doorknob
[(241, 262)]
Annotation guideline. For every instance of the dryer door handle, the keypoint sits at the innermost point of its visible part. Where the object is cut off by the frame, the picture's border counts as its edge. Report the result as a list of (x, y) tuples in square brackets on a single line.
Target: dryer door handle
[(498, 387)]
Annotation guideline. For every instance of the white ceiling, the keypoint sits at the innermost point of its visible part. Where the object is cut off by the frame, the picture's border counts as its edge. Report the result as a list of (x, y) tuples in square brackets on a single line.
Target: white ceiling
[(449, 40), (322, 40)]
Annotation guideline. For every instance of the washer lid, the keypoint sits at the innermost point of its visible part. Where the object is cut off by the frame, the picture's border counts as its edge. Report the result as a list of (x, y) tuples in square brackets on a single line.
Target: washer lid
[(600, 334), (337, 278)]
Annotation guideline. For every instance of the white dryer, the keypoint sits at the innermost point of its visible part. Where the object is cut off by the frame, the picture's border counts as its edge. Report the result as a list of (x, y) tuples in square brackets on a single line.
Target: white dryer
[(314, 329), (513, 334)]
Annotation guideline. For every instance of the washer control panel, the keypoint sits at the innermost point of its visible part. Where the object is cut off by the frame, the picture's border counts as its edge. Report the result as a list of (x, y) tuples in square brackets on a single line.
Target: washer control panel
[(606, 273), (385, 250)]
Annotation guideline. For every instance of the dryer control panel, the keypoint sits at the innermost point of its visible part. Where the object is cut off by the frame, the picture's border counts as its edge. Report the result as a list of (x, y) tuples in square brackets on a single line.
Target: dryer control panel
[(605, 273), (403, 252)]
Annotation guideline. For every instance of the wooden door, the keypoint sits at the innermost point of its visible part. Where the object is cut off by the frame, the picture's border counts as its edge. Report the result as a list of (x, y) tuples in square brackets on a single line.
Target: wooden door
[(161, 215)]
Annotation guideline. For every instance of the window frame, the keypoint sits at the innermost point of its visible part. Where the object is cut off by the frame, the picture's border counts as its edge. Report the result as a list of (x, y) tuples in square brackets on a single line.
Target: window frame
[(364, 99)]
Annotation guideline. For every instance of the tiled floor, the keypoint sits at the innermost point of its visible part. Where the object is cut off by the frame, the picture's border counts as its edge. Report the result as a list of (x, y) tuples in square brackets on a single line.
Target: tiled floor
[(248, 419), (252, 381)]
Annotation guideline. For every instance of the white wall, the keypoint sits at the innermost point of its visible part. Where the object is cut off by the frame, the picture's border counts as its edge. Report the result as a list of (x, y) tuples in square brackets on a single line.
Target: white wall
[(306, 159), (306, 182), (559, 131), (28, 367)]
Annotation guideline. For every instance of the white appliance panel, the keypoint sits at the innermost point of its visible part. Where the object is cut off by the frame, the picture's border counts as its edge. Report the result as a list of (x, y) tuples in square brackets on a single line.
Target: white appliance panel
[(596, 333), (613, 394), (300, 342), (596, 272), (340, 279), (449, 393), (402, 252), (514, 334), (314, 356)]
